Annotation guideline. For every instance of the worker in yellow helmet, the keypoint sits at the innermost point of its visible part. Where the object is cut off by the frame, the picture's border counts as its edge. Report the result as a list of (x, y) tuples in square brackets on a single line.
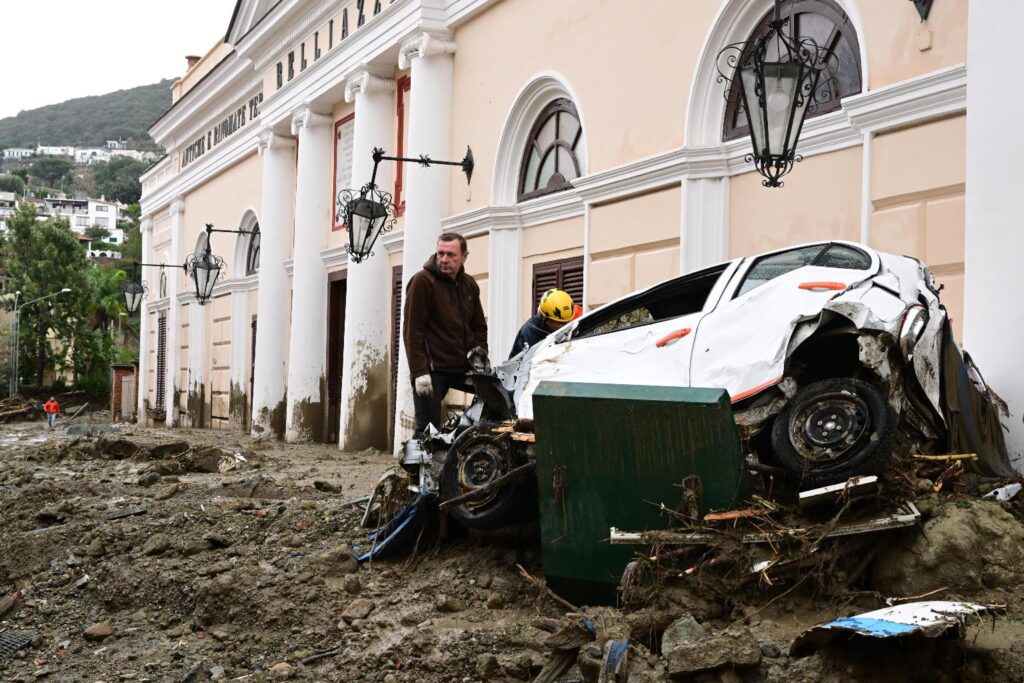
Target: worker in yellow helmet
[(555, 310)]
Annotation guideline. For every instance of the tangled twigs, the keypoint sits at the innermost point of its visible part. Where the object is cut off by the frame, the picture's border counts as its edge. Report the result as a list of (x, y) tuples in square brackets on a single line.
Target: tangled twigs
[(539, 583)]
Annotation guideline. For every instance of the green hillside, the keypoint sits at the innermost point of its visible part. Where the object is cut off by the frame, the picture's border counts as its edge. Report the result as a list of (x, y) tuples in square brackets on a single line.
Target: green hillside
[(89, 121)]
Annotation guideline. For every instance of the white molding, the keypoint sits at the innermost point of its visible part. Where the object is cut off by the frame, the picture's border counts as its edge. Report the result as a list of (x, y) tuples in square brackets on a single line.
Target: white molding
[(394, 242), (334, 257), (546, 209), (908, 103), (364, 82), (157, 305), (307, 117), (249, 283), (916, 100), (424, 45)]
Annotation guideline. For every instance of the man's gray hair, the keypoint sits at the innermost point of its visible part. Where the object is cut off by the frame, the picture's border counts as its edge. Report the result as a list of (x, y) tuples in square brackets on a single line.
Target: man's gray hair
[(450, 236)]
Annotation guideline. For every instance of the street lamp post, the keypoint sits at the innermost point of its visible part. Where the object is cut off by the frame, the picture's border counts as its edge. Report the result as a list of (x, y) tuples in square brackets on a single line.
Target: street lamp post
[(369, 212), (778, 79), (17, 332)]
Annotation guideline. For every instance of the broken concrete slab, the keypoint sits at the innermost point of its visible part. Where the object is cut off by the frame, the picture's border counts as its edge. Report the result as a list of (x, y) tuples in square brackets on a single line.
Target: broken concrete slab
[(730, 649)]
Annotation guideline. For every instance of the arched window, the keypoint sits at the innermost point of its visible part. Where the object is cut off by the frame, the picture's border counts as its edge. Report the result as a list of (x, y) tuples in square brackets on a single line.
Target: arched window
[(252, 256), (828, 25), (163, 282), (550, 160)]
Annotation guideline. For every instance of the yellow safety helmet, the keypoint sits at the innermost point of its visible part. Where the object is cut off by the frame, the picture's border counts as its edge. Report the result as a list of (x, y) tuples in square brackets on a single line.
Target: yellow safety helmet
[(556, 305)]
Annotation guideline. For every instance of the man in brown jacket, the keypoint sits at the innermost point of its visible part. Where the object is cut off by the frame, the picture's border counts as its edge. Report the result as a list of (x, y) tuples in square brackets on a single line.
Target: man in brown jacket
[(444, 321)]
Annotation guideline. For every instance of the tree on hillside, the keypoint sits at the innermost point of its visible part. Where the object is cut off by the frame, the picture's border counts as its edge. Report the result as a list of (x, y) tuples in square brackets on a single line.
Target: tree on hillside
[(119, 179), (131, 249), (49, 170), (12, 183), (97, 233), (44, 257)]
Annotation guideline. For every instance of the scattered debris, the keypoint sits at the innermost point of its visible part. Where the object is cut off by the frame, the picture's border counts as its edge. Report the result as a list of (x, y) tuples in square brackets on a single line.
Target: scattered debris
[(13, 641), (930, 619), (1004, 494)]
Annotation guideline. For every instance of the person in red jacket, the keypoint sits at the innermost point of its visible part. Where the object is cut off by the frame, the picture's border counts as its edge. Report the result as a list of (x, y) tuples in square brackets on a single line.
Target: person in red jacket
[(52, 409), (444, 322)]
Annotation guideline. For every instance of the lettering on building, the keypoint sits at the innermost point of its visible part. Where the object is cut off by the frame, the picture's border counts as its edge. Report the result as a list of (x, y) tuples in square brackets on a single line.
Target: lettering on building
[(227, 127)]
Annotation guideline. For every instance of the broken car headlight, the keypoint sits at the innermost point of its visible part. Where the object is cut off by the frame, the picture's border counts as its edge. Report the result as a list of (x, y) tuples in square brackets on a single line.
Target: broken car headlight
[(914, 322)]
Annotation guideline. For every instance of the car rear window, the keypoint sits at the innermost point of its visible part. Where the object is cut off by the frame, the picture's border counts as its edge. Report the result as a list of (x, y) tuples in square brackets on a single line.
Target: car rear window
[(833, 255), (678, 297)]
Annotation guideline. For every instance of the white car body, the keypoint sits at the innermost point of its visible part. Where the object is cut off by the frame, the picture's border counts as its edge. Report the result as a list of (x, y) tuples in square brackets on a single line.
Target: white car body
[(742, 336)]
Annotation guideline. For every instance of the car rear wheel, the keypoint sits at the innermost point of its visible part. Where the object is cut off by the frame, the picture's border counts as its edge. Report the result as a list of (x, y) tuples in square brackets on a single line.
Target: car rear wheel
[(834, 429)]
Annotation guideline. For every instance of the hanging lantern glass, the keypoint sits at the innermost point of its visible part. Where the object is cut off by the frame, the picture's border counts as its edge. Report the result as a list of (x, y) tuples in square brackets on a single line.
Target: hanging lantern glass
[(204, 269), (134, 292), (366, 216)]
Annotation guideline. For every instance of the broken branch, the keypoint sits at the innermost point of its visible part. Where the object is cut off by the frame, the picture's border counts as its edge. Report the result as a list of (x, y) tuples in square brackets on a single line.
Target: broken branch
[(488, 487)]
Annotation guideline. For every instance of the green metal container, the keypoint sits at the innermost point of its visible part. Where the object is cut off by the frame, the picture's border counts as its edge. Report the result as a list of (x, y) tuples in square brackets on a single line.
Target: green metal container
[(608, 455)]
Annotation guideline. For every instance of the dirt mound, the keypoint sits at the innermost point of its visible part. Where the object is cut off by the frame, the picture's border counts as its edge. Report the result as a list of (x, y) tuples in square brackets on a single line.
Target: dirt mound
[(968, 545)]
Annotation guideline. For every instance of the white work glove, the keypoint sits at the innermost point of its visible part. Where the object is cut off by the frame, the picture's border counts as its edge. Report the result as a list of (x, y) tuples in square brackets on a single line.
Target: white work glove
[(424, 386)]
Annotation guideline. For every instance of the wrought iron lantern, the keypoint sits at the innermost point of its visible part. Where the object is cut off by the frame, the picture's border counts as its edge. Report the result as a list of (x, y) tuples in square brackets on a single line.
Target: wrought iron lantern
[(778, 80), (370, 212), (204, 269), (133, 291)]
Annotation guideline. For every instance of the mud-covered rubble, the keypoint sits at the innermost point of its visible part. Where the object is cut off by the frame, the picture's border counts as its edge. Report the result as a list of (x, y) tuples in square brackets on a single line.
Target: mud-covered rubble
[(178, 560)]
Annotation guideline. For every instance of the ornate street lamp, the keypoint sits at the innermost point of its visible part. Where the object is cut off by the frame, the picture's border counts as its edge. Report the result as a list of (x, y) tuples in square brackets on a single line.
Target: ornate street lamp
[(369, 212), (203, 268), (134, 291), (778, 78)]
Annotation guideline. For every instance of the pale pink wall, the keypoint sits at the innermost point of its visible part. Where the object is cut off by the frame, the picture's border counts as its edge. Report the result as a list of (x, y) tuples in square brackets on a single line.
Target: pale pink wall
[(223, 201), (632, 75), (900, 46), (219, 382), (204, 66), (820, 200), (917, 190), (634, 243)]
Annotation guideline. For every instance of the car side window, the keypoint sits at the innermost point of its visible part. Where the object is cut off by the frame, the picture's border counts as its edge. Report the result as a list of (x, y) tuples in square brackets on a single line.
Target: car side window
[(768, 268), (681, 296)]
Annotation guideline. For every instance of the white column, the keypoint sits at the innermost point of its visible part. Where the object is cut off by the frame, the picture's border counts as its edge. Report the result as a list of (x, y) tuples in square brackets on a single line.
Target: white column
[(196, 398), (426, 189), (307, 348), (238, 398), (174, 317), (146, 228), (277, 216), (366, 375), (504, 285), (704, 235), (994, 240)]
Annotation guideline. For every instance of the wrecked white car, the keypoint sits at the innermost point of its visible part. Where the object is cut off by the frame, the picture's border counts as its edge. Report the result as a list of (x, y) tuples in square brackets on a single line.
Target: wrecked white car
[(837, 358)]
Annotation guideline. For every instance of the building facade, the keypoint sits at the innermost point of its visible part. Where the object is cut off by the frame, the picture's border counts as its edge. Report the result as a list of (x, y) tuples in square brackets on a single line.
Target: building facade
[(609, 157)]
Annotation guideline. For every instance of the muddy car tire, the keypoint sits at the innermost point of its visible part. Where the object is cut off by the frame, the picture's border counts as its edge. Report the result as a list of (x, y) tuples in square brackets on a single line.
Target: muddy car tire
[(476, 457), (834, 429)]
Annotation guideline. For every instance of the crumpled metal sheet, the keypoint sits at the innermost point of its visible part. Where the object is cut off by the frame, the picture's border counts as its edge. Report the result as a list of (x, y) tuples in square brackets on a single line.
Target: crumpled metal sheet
[(930, 618)]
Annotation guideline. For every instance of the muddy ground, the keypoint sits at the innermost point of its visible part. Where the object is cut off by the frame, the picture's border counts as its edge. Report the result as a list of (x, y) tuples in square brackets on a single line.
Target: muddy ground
[(134, 565)]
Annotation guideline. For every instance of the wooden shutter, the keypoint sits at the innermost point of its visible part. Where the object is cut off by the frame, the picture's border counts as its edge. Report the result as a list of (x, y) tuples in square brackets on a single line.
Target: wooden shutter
[(396, 331), (161, 359), (564, 274)]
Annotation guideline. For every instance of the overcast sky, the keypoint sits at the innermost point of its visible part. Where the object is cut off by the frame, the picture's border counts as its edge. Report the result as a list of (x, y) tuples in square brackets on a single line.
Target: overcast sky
[(55, 50)]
